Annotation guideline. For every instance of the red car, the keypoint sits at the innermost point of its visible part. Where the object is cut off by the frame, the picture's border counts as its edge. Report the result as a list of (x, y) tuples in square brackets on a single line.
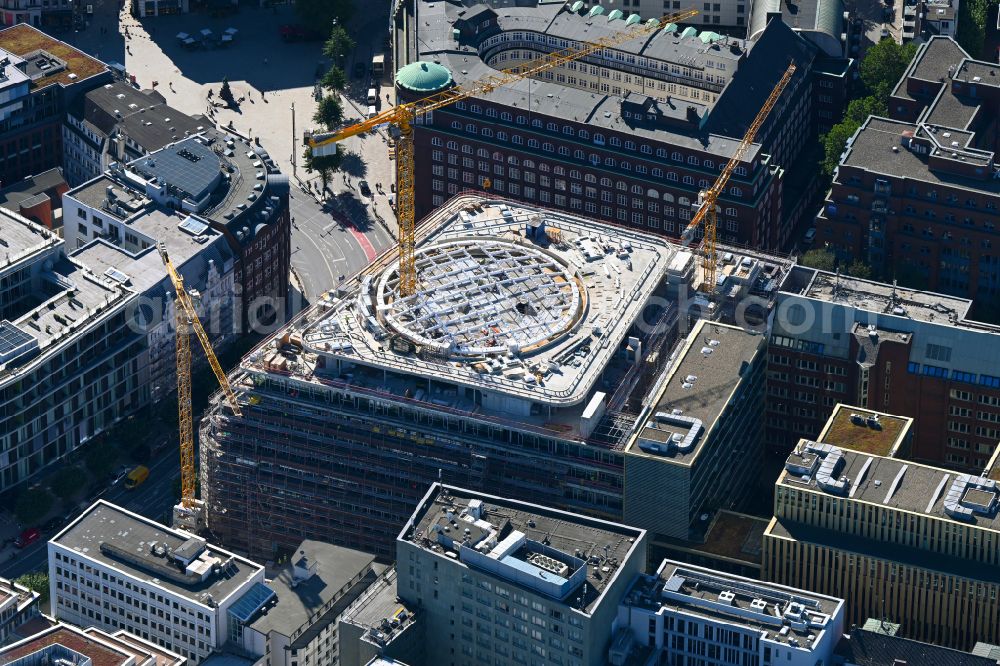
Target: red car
[(28, 537)]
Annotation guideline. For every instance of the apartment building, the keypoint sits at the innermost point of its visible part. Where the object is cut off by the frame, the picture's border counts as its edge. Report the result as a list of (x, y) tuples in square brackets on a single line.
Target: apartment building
[(60, 643), (294, 618), (873, 645), (836, 339), (18, 604), (40, 77), (117, 123), (687, 614), (114, 569), (629, 135), (38, 198), (916, 194), (228, 183), (706, 412), (915, 544), (501, 581)]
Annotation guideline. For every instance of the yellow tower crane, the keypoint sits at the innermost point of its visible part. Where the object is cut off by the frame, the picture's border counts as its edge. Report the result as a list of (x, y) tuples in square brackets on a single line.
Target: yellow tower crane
[(709, 198), (189, 514), (404, 115)]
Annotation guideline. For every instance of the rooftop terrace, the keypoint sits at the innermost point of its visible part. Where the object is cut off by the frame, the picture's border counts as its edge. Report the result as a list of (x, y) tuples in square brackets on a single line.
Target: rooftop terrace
[(546, 551), (865, 431), (698, 388), (782, 613), (25, 41), (147, 551)]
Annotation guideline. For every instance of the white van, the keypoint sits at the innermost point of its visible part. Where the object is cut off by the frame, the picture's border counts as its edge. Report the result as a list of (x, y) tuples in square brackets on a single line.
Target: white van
[(372, 97), (372, 112)]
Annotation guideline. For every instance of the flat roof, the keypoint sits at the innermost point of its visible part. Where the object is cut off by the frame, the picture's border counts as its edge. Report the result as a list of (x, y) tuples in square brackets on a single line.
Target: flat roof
[(699, 386), (872, 150), (873, 648), (106, 523), (891, 482), (512, 300), (24, 40), (94, 647), (855, 428), (378, 606), (300, 601), (724, 597), (576, 541), (20, 238), (161, 656), (879, 297)]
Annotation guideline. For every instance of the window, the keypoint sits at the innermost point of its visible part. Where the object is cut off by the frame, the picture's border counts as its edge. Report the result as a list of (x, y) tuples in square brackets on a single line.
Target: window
[(938, 353)]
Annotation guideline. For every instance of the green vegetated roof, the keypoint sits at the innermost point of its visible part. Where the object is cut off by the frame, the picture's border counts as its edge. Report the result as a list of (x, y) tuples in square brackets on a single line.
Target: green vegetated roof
[(423, 76)]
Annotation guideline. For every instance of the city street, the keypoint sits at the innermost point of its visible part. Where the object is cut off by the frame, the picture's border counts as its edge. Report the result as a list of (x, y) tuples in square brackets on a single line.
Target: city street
[(272, 76), (153, 499)]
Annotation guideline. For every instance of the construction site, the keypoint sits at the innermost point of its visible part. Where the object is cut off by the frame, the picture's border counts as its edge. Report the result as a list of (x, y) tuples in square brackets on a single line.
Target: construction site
[(519, 365)]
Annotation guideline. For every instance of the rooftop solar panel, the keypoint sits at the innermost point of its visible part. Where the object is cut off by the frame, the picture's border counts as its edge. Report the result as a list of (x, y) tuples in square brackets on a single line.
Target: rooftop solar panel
[(251, 602), (14, 341), (187, 165)]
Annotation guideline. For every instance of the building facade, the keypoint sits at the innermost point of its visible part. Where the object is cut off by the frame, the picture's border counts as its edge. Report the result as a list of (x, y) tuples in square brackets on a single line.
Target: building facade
[(836, 339), (54, 15), (707, 409), (630, 139), (915, 544), (113, 569), (338, 440), (18, 604), (685, 614), (40, 77), (916, 194), (521, 582)]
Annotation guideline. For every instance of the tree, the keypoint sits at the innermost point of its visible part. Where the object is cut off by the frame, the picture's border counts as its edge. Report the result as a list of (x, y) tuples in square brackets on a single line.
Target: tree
[(860, 270), (834, 143), (330, 112), (325, 164), (32, 506), (859, 109), (323, 12), (225, 92), (67, 482), (972, 18), (821, 259), (335, 79), (101, 457), (339, 44), (883, 66), (36, 581)]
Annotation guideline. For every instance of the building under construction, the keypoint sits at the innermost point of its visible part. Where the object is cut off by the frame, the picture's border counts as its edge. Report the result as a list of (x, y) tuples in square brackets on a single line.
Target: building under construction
[(518, 366)]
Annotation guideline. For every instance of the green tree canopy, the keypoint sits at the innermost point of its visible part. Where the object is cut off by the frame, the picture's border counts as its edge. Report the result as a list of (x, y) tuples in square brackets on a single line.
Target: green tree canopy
[(860, 270), (225, 92), (330, 112), (323, 12), (834, 143), (883, 66), (32, 506), (67, 482), (972, 18), (335, 79), (37, 581), (819, 258), (325, 165), (339, 43)]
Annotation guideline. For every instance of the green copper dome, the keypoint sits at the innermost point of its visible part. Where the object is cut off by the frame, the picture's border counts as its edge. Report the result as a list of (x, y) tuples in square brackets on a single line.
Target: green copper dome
[(424, 77)]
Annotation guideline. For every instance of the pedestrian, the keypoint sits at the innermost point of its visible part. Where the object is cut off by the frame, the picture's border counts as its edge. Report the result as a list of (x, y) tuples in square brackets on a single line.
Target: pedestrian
[(265, 61)]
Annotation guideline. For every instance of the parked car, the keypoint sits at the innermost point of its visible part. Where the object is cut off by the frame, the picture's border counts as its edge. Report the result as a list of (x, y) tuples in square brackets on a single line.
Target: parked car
[(810, 235), (365, 190), (885, 33), (28, 537)]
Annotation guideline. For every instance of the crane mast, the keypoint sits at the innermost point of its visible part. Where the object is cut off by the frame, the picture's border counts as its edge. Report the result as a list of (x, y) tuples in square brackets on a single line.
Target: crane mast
[(405, 115), (189, 513), (707, 213)]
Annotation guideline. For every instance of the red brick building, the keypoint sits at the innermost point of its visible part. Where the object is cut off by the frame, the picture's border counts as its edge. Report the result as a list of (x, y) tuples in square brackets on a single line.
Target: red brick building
[(841, 340), (916, 195)]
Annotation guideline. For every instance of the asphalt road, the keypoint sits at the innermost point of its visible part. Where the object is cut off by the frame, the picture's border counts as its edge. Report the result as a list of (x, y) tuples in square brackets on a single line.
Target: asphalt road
[(153, 499)]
